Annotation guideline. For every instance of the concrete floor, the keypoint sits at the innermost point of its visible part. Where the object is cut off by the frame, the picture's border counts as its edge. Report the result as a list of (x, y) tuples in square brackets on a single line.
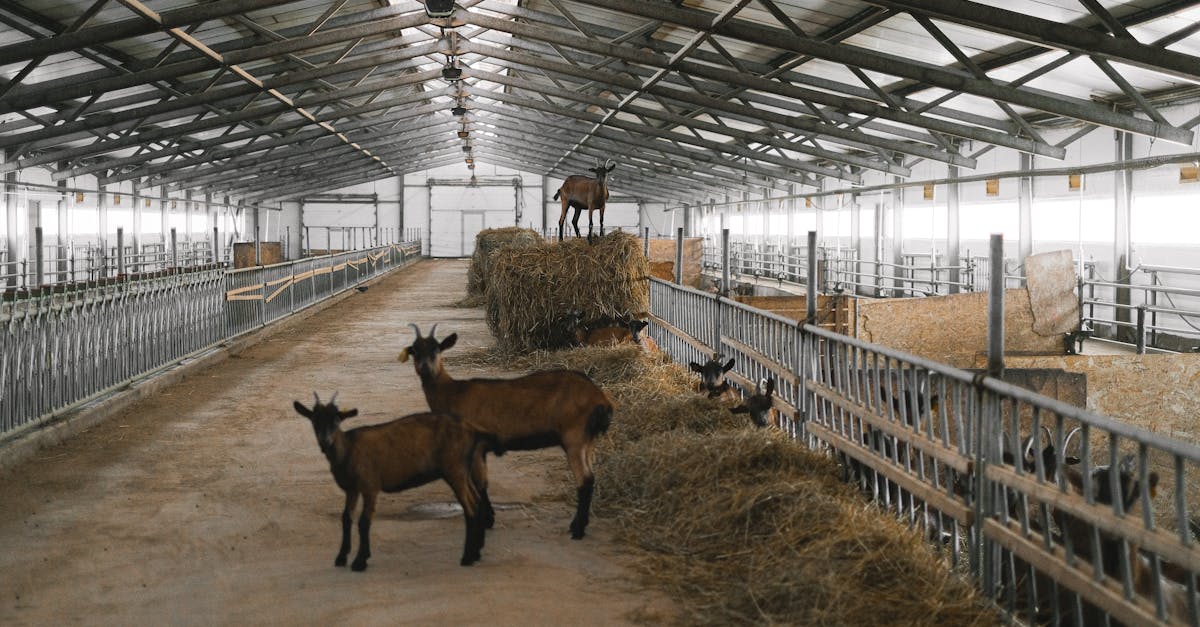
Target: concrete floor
[(210, 503)]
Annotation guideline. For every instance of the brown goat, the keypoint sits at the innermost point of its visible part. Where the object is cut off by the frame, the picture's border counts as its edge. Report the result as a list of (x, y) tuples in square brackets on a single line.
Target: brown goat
[(584, 192), (398, 455), (554, 407)]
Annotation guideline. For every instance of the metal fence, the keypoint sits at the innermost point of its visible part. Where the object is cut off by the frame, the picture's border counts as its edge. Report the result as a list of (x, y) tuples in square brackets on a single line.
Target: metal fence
[(70, 343), (982, 467)]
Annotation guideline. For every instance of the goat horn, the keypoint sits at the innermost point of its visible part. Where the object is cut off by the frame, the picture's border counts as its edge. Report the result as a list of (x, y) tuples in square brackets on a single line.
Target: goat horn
[(316, 399), (332, 398), (433, 330), (1067, 440), (606, 162), (1027, 450), (415, 328)]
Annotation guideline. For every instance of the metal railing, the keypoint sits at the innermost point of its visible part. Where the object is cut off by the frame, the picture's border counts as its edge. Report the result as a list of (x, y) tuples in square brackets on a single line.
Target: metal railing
[(72, 342), (945, 449), (1150, 311)]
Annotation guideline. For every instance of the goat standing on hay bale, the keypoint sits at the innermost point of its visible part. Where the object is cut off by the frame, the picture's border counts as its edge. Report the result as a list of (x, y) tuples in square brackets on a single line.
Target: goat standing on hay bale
[(398, 455), (583, 192), (535, 411)]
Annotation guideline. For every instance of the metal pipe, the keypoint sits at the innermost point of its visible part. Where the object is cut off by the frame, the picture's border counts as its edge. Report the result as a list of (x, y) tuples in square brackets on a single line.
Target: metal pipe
[(174, 250), (679, 256), (1141, 330), (810, 306), (996, 308), (39, 258), (120, 252), (725, 262)]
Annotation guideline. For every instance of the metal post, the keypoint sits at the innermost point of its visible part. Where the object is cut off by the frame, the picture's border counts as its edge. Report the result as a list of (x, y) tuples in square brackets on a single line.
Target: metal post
[(287, 242), (995, 359), (953, 232), (725, 262), (39, 258), (257, 244), (174, 250), (102, 234), (120, 252), (646, 243), (216, 245), (63, 227), (810, 305), (679, 256), (1141, 329), (307, 242), (1025, 207)]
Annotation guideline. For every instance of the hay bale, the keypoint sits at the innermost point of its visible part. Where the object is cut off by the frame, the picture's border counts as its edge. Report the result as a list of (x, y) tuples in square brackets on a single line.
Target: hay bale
[(749, 526), (532, 290), (487, 242), (743, 525)]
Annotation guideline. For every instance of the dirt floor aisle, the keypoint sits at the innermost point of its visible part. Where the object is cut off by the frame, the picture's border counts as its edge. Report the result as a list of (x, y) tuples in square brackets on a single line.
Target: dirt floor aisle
[(211, 503)]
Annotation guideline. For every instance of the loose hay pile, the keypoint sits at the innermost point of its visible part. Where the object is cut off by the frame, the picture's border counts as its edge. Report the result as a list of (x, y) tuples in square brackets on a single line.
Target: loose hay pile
[(744, 525), (487, 242), (531, 291)]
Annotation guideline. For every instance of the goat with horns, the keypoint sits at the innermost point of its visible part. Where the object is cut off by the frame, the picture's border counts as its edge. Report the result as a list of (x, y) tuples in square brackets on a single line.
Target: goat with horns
[(583, 192)]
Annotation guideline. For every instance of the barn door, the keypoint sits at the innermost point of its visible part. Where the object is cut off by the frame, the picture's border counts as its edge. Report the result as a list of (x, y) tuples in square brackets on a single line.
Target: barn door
[(472, 224), (457, 212)]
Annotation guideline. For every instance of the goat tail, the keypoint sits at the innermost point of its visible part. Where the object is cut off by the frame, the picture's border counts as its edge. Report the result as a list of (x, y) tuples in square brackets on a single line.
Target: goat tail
[(557, 193), (599, 421)]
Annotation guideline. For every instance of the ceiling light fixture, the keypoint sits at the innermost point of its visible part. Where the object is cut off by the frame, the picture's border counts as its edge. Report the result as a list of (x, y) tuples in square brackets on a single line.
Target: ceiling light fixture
[(439, 8)]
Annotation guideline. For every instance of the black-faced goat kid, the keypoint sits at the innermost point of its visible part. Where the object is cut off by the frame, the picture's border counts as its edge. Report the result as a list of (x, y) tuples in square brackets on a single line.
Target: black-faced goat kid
[(760, 406), (712, 379), (553, 407), (395, 456), (584, 192)]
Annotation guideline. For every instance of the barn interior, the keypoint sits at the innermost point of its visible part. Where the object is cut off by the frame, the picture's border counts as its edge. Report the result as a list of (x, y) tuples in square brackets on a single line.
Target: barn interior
[(988, 206)]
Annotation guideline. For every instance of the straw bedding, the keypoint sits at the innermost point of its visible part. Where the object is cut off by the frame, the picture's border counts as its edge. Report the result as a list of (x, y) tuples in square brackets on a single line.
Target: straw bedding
[(744, 525), (533, 290)]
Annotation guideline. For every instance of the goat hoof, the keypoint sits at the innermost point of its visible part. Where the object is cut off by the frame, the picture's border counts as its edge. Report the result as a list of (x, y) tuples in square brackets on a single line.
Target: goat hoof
[(468, 561), (576, 532), (340, 561), (358, 566)]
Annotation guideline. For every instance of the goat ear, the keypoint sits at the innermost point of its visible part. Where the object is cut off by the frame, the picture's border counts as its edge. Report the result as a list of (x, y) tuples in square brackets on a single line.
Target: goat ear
[(349, 413), (728, 365), (404, 355), (740, 409), (638, 325), (695, 367), (449, 341), (770, 386), (301, 409)]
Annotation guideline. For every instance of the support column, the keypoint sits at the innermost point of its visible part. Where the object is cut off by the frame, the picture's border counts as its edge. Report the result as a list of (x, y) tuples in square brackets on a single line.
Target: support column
[(164, 219), (12, 239), (1123, 195), (687, 220), (102, 228), (135, 232), (878, 243), (856, 240), (64, 205), (898, 235), (953, 237), (188, 207), (1025, 205)]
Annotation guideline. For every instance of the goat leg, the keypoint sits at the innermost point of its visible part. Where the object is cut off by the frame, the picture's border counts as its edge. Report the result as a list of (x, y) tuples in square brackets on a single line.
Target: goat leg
[(347, 513), (584, 497), (364, 533)]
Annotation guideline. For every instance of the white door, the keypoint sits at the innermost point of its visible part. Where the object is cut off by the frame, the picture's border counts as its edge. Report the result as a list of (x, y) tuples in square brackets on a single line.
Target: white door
[(457, 213), (472, 224)]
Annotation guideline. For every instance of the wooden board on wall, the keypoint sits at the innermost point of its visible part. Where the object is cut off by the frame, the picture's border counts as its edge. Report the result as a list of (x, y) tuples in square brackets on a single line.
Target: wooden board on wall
[(952, 329), (693, 254), (243, 254)]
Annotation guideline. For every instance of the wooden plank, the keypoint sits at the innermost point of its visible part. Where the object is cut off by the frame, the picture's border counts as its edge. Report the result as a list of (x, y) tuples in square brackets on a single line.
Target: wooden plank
[(934, 497), (903, 435), (1107, 595), (697, 344), (279, 291), (1164, 543)]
